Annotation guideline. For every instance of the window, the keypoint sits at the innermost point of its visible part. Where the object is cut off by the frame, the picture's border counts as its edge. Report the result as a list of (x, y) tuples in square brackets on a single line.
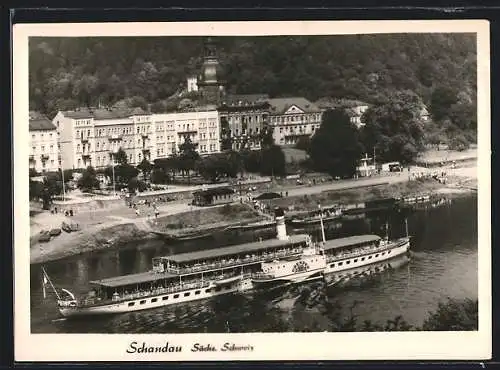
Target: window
[(131, 304), (217, 289), (356, 260), (43, 149), (362, 259), (197, 292), (154, 300), (33, 137), (370, 257), (376, 255), (341, 263), (142, 302), (389, 251), (176, 296), (347, 262), (332, 265), (164, 298), (187, 294), (208, 290)]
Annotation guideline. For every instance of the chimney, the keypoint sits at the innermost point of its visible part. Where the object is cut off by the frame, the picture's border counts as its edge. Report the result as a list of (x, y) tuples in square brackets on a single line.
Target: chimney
[(280, 224)]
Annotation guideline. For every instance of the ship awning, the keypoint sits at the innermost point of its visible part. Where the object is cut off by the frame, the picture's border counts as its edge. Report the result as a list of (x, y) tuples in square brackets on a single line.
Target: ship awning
[(132, 279), (240, 249), (350, 241)]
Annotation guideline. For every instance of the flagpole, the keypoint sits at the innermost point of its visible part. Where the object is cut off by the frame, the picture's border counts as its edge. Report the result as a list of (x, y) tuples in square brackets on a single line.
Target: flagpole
[(46, 276), (321, 221)]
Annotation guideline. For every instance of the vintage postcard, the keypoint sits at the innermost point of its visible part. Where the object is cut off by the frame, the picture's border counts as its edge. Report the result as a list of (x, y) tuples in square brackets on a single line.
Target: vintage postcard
[(252, 191)]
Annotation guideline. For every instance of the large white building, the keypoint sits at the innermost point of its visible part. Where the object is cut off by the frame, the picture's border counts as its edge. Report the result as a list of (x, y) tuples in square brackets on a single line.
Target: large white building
[(92, 137), (44, 151), (292, 118), (201, 127)]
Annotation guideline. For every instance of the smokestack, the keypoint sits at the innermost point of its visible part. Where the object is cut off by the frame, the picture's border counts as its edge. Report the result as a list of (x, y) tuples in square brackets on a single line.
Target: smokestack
[(280, 224)]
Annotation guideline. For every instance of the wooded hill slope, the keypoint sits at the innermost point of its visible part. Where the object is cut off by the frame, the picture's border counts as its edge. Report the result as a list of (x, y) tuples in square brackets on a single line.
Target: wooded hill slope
[(70, 72)]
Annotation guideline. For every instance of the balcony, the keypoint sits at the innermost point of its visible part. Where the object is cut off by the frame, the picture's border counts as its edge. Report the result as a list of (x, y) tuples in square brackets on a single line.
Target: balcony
[(115, 137), (85, 156), (145, 135), (187, 132), (44, 157)]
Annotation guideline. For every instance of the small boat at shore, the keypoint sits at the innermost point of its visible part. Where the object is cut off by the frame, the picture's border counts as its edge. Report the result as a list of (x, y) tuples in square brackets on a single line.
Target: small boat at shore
[(316, 217), (264, 224), (196, 235)]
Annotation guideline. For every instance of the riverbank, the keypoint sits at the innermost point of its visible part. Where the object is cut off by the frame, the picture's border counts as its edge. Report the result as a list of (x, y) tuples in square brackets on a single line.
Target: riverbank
[(105, 228), (88, 240), (308, 202), (113, 234)]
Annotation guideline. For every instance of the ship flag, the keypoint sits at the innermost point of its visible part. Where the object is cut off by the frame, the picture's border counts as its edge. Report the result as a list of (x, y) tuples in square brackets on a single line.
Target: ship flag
[(44, 283)]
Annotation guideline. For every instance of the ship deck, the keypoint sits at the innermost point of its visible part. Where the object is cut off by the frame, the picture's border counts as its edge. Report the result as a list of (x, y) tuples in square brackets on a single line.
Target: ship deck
[(350, 241), (133, 279), (239, 249)]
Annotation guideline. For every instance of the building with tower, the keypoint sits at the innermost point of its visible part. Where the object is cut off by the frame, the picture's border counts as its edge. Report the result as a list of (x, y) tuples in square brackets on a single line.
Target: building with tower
[(210, 81)]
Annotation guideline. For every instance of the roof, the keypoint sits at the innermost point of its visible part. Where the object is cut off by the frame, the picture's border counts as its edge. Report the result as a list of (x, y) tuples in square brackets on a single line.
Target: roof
[(131, 279), (38, 124), (246, 98), (104, 113), (350, 240), (236, 249), (281, 105), (215, 191)]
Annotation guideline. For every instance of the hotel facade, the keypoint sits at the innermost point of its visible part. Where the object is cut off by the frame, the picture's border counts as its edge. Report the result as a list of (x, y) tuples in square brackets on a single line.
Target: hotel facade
[(93, 137), (293, 118), (44, 151)]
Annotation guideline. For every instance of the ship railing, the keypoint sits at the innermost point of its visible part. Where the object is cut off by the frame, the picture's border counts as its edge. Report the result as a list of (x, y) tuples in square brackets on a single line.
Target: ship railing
[(235, 262), (262, 276), (359, 252), (145, 293)]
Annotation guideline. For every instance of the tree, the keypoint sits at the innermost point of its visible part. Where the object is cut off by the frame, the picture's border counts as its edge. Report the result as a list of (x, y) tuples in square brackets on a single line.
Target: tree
[(123, 173), (159, 176), (395, 128), (136, 184), (120, 157), (188, 156), (303, 143), (272, 161), (266, 136), (336, 148), (443, 97), (89, 180), (145, 167), (453, 315)]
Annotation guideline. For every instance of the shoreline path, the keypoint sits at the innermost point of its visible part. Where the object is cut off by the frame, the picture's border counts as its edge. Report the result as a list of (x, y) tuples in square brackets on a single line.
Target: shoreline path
[(96, 219)]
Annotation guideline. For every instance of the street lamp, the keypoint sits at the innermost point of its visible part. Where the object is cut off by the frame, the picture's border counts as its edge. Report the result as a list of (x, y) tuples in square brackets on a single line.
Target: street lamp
[(113, 170)]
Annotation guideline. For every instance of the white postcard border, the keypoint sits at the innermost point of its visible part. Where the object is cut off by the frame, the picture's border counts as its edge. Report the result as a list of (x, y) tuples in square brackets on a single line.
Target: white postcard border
[(279, 346)]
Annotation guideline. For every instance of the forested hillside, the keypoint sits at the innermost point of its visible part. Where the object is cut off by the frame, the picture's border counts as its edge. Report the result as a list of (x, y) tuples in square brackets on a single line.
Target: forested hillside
[(70, 72)]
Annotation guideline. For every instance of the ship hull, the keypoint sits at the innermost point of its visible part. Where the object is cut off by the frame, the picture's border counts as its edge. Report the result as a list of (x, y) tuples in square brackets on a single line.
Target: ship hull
[(369, 258), (291, 279), (162, 300)]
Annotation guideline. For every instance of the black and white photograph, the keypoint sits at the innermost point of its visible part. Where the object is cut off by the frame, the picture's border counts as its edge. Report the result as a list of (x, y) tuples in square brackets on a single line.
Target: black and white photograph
[(236, 182)]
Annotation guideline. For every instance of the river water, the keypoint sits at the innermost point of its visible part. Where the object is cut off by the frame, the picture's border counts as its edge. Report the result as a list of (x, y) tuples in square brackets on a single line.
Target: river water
[(442, 264)]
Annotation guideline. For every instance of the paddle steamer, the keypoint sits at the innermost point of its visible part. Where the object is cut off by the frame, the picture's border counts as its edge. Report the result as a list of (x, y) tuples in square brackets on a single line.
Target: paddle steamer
[(185, 277)]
